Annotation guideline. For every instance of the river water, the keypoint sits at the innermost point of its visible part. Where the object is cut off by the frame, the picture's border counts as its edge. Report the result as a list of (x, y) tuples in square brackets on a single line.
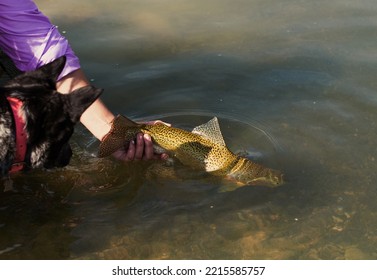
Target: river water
[(293, 85)]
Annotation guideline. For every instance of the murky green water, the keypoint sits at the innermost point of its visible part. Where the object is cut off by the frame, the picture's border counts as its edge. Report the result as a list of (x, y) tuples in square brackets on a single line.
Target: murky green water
[(293, 84)]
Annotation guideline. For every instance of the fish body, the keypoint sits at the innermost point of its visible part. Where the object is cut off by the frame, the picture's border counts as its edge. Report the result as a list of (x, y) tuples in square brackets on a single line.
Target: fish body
[(202, 149)]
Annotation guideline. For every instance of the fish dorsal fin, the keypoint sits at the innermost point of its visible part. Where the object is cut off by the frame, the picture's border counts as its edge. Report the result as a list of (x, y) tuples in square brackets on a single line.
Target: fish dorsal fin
[(211, 131)]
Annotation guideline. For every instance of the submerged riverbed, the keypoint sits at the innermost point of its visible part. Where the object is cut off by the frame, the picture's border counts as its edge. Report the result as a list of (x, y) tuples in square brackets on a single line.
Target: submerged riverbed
[(292, 83)]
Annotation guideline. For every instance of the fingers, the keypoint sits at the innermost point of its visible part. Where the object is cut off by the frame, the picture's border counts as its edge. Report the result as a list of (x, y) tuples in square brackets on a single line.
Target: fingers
[(136, 148), (130, 152), (139, 149), (149, 150), (126, 153), (148, 144), (163, 156)]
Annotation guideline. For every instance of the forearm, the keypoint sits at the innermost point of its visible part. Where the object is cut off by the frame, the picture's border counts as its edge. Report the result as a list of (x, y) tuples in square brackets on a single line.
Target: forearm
[(97, 118)]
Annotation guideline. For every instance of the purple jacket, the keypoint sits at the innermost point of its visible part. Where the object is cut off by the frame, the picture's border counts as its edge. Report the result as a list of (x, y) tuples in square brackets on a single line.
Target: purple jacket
[(29, 39)]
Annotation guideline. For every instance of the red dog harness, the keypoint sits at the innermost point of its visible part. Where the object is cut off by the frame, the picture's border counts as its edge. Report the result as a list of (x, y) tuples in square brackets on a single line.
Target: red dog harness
[(21, 137)]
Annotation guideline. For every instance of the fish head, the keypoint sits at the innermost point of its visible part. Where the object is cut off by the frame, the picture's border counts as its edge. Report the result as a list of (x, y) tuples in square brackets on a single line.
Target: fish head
[(275, 179), (248, 173), (271, 178)]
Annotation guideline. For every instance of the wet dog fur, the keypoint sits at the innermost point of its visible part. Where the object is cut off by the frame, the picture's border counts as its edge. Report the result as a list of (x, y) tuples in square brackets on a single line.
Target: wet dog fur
[(50, 117)]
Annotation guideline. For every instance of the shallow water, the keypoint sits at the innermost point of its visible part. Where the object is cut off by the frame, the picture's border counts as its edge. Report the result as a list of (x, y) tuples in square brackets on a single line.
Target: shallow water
[(293, 86)]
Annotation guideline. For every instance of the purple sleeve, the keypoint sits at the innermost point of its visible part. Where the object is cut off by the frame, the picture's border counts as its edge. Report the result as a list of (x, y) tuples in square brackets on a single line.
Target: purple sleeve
[(30, 40)]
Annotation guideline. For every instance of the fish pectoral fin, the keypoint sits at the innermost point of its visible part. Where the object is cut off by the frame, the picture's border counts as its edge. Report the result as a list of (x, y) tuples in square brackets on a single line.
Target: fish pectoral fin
[(229, 186), (211, 131)]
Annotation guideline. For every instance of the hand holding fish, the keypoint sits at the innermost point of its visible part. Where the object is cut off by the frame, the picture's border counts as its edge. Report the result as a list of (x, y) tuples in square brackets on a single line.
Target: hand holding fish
[(140, 148)]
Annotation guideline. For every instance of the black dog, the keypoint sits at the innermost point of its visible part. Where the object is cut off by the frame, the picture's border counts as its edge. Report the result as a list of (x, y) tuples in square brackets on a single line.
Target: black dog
[(48, 118)]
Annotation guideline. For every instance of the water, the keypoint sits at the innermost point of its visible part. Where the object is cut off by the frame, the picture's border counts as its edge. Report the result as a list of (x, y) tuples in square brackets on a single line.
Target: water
[(293, 85)]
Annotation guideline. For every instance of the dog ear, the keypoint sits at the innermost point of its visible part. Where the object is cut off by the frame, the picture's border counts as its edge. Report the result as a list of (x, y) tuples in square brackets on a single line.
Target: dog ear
[(54, 68), (45, 76), (79, 100)]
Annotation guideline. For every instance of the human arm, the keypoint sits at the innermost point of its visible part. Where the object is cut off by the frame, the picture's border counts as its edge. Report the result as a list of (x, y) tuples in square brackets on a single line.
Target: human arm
[(30, 40), (97, 119)]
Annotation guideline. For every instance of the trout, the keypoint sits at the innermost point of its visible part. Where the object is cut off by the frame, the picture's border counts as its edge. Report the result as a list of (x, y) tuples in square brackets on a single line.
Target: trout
[(202, 149)]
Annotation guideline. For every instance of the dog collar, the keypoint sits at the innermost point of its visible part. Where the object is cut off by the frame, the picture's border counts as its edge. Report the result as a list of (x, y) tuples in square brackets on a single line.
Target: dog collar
[(21, 138)]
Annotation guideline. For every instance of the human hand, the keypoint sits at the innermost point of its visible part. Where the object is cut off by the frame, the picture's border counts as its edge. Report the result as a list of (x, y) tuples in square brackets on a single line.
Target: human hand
[(140, 148)]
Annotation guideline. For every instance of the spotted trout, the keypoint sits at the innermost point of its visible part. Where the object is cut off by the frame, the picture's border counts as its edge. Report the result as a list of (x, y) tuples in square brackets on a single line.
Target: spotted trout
[(202, 149)]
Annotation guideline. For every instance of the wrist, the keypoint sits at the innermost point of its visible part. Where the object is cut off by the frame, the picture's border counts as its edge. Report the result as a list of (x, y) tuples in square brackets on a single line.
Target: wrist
[(97, 119)]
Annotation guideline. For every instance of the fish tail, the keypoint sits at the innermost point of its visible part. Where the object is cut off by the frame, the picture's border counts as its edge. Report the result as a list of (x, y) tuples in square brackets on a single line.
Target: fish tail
[(122, 131)]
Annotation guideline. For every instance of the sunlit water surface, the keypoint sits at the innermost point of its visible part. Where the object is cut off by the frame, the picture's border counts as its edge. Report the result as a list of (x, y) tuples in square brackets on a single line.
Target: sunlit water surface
[(293, 85)]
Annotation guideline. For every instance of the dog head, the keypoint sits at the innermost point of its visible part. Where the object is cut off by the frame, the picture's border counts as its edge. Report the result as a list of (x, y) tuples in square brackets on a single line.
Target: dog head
[(50, 116)]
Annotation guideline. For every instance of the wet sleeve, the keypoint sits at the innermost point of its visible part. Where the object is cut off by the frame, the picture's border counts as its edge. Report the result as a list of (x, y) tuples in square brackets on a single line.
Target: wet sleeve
[(30, 40)]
